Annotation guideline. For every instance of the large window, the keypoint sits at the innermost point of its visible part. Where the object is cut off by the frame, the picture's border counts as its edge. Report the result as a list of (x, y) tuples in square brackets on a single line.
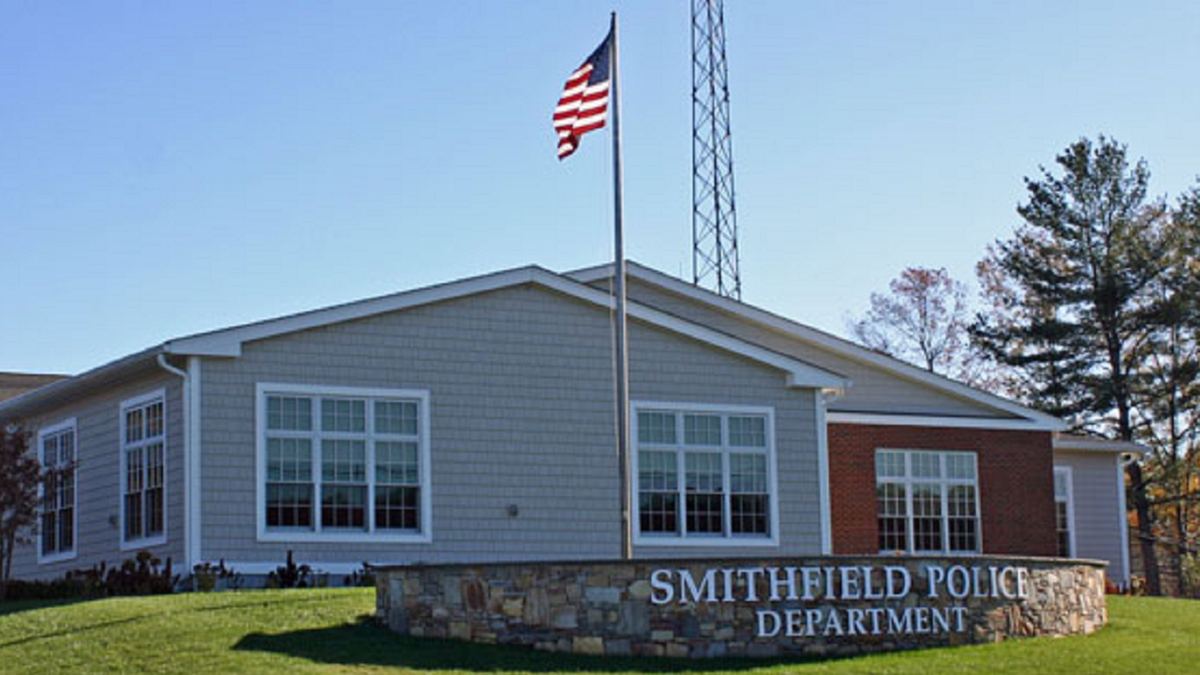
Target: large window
[(704, 474), (143, 470), (57, 531), (926, 502), (347, 464), (1064, 511)]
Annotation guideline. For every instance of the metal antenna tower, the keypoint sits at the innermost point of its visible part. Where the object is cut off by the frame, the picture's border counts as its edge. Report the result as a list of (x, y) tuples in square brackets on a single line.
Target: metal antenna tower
[(714, 221)]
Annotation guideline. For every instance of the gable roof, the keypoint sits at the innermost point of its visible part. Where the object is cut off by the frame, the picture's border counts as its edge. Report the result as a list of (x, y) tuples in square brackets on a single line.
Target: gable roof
[(15, 384), (1063, 441), (1029, 418), (228, 342)]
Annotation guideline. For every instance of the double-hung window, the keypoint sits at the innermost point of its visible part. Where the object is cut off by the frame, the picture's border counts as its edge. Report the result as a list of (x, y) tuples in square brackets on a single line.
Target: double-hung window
[(57, 453), (705, 474), (926, 501), (343, 464), (143, 470), (1064, 511)]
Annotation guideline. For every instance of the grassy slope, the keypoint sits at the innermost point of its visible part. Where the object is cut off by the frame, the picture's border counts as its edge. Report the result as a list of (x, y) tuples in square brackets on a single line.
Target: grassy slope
[(322, 632)]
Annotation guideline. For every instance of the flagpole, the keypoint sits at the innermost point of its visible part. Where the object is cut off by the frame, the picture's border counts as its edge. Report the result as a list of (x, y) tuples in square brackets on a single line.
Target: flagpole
[(622, 355)]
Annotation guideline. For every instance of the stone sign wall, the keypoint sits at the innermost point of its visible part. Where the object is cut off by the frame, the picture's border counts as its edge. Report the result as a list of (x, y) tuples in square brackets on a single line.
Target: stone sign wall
[(745, 607)]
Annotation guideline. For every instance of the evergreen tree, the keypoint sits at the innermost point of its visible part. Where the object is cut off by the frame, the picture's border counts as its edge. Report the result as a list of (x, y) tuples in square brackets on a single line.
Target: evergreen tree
[(1079, 271)]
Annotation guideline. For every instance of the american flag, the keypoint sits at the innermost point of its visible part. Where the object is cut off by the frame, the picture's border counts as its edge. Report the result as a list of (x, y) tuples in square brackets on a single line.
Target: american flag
[(584, 103)]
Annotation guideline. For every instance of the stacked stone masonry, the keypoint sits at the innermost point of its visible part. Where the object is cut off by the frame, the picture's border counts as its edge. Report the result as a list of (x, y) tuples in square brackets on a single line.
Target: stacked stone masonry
[(607, 608)]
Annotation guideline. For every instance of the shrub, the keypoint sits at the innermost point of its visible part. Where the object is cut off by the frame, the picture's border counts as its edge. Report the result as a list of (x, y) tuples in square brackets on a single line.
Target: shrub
[(207, 577), (362, 577), (290, 575)]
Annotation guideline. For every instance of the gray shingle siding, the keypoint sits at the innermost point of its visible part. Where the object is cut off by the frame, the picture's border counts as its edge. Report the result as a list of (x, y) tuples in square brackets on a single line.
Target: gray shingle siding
[(521, 391), (873, 390), (98, 478), (1098, 521)]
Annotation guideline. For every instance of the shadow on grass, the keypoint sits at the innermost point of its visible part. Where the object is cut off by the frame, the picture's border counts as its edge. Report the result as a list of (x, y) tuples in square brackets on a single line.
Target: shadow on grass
[(364, 643), (18, 606)]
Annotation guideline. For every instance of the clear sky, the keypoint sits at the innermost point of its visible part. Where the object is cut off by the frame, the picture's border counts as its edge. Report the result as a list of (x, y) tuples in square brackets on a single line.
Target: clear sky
[(169, 168)]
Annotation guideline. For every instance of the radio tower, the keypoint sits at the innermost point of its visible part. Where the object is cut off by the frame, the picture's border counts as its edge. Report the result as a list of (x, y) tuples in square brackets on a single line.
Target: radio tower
[(714, 221)]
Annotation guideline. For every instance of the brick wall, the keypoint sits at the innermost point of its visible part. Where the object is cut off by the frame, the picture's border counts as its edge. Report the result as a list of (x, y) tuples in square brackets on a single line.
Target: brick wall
[(1016, 483)]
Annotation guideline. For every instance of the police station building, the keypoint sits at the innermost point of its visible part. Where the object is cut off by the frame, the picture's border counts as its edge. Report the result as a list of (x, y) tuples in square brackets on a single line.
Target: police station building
[(473, 422)]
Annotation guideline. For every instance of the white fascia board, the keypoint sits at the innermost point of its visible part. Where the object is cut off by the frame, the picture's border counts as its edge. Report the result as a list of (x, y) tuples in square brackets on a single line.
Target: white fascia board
[(1098, 445), (228, 342), (799, 373), (938, 421), (823, 340)]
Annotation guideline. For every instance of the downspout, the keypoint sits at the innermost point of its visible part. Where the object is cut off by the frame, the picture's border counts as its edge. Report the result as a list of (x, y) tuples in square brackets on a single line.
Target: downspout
[(187, 455), (1122, 462), (823, 397)]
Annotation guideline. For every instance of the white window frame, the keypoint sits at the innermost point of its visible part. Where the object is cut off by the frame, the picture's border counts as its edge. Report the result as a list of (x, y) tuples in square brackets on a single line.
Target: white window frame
[(370, 534), (1070, 482), (682, 538), (944, 482), (54, 429), (158, 539)]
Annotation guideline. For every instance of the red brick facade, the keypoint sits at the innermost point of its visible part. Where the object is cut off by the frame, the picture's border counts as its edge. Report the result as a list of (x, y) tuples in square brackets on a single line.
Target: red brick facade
[(1016, 483)]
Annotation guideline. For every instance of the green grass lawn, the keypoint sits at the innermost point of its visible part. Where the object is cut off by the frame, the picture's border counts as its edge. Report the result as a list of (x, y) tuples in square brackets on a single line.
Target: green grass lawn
[(327, 631)]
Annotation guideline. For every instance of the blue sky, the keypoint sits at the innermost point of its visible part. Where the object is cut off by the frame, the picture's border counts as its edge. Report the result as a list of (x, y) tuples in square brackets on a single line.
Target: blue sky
[(168, 168)]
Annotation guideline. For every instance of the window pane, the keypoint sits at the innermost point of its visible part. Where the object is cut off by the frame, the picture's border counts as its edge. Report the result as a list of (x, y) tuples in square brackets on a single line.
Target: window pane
[(749, 514), (344, 461), (889, 464), (343, 506), (396, 508), (343, 415), (289, 506), (749, 432), (703, 471), (747, 473), (659, 512), (133, 426), (657, 471), (962, 518), (705, 513), (927, 516), (892, 511), (289, 460), (396, 417), (50, 451), (289, 413), (925, 464), (704, 484), (1060, 484), (49, 527), (66, 448), (656, 427), (960, 465), (154, 419), (702, 429), (1063, 526), (396, 463)]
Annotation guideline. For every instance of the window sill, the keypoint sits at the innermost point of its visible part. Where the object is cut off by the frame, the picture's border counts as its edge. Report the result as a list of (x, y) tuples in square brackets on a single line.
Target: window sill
[(343, 536), (643, 540), (55, 558), (139, 544)]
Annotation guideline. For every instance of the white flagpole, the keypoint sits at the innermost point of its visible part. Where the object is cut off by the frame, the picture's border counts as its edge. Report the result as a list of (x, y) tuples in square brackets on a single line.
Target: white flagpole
[(622, 354)]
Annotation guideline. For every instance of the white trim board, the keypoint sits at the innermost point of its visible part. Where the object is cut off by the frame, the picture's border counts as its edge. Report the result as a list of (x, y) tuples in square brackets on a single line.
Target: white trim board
[(835, 417), (822, 340), (228, 342)]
